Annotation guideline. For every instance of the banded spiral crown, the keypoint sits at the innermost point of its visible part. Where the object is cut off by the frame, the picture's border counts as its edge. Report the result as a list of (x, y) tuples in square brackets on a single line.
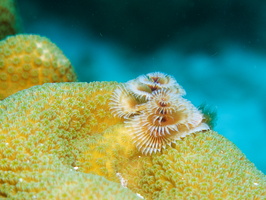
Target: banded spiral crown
[(155, 111)]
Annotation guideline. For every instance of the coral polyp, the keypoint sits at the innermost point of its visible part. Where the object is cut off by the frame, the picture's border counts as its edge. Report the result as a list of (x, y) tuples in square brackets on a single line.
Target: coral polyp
[(156, 113)]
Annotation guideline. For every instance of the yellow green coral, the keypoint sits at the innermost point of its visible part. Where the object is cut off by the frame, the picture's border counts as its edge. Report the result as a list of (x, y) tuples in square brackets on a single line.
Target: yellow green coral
[(201, 166), (9, 19), (39, 145), (62, 183), (28, 60), (52, 136)]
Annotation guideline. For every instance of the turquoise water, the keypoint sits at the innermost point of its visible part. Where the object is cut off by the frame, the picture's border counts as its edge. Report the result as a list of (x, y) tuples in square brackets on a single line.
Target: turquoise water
[(215, 51)]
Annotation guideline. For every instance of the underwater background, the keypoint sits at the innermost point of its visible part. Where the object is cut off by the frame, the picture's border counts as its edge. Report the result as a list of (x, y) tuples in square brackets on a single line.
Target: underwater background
[(215, 49)]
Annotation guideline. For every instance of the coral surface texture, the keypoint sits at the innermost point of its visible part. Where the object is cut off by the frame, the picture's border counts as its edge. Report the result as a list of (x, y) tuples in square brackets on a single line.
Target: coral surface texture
[(57, 139), (28, 60)]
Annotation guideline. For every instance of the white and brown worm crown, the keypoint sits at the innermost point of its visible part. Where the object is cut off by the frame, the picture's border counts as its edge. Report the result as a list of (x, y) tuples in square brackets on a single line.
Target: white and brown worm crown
[(156, 113)]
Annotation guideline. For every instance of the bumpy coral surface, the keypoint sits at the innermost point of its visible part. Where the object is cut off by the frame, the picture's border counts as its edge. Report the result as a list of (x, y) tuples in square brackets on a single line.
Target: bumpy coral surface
[(27, 60), (52, 136), (42, 137), (201, 166), (9, 19)]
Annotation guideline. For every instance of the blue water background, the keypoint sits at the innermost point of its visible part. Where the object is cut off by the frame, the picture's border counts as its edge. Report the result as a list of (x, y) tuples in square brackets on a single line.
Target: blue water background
[(230, 76)]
